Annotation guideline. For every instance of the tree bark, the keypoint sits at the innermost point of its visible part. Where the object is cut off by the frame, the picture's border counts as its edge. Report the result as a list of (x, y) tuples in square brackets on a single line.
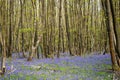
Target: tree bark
[(112, 36), (67, 27)]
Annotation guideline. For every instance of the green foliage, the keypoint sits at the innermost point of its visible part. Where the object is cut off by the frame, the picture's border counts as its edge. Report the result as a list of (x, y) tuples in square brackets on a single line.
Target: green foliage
[(25, 30), (44, 76), (118, 19)]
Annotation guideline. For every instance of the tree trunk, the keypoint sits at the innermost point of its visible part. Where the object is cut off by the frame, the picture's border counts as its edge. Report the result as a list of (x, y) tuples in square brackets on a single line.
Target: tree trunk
[(67, 27), (59, 42), (3, 59), (112, 36), (34, 49)]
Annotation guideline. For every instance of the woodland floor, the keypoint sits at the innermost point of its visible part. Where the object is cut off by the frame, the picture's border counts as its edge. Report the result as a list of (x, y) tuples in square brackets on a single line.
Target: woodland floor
[(92, 67)]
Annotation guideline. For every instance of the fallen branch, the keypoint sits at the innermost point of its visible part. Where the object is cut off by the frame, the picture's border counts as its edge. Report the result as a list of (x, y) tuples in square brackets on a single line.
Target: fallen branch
[(11, 71)]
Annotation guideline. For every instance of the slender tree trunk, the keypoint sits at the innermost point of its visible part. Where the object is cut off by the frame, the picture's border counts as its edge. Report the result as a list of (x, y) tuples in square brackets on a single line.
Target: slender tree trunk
[(21, 22), (67, 27), (3, 59), (59, 42), (9, 54)]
